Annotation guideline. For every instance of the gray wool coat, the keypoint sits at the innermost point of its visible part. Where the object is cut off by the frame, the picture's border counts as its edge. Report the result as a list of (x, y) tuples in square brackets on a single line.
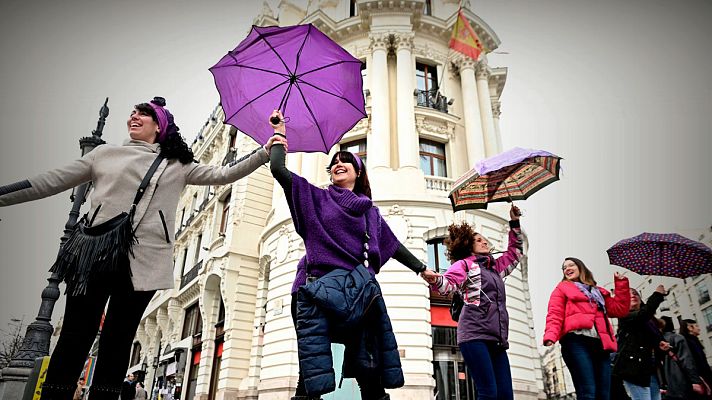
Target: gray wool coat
[(116, 173)]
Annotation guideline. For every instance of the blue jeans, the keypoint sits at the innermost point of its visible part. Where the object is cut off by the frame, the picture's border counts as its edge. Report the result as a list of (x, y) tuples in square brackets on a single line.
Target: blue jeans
[(589, 365), (643, 393), (489, 368)]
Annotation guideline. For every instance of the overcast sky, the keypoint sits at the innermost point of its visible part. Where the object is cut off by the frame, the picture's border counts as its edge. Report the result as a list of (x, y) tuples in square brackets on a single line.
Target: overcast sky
[(620, 89)]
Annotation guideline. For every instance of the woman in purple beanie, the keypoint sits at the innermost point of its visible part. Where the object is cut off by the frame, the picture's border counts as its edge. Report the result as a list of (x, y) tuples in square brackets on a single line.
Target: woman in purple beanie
[(157, 159), (342, 230)]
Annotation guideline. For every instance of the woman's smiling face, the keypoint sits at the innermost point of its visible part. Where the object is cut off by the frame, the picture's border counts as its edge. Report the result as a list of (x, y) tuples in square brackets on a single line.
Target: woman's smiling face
[(571, 271)]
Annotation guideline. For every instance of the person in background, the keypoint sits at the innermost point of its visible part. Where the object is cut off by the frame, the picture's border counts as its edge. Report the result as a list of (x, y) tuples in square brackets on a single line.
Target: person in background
[(140, 392), (690, 330), (638, 338), (578, 317), (681, 376)]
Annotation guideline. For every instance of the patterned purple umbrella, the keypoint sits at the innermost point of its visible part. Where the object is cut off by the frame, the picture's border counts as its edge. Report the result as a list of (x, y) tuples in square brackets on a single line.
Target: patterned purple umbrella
[(514, 174), (664, 254), (298, 70)]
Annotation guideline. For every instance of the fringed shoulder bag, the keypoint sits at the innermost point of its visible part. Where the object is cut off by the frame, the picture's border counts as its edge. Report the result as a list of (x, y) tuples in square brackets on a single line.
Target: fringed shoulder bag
[(101, 248)]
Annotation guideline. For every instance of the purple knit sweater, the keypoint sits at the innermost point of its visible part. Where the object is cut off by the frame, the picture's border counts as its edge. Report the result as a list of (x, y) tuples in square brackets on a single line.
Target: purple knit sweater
[(332, 223)]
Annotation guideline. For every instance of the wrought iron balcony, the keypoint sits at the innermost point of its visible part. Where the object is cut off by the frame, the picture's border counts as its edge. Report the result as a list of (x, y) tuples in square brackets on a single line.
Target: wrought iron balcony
[(190, 275), (432, 99), (229, 157)]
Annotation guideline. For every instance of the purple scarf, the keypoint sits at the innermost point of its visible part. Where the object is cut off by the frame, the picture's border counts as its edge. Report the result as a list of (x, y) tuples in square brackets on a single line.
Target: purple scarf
[(593, 294)]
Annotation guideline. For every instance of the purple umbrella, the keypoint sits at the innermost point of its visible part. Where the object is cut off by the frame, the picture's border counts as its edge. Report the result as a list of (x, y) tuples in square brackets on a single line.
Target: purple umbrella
[(298, 70), (512, 175), (664, 254)]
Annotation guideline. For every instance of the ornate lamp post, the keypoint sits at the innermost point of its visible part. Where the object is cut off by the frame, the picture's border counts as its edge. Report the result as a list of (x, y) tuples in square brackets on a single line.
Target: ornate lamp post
[(38, 334)]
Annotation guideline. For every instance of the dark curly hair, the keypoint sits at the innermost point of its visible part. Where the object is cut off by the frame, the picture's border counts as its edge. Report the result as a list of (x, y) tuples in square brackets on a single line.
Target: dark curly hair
[(460, 242), (174, 146)]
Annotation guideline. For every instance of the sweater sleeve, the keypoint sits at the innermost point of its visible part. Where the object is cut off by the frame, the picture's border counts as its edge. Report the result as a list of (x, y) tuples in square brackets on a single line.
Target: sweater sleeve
[(50, 182), (279, 170), (555, 315), (405, 257), (618, 306), (238, 169), (508, 261), (452, 278)]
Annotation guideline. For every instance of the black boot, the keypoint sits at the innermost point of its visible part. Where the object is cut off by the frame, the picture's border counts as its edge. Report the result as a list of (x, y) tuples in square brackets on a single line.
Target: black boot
[(57, 391), (305, 398), (104, 392)]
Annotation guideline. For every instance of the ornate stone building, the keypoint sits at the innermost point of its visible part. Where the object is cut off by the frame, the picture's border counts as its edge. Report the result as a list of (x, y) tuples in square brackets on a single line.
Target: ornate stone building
[(225, 331)]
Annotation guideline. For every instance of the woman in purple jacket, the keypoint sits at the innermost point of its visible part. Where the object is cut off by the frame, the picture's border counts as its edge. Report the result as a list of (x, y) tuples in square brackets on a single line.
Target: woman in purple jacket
[(483, 326), (341, 228)]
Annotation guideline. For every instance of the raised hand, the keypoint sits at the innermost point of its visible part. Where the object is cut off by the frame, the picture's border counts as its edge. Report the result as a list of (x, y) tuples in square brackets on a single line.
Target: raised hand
[(514, 213), (279, 127)]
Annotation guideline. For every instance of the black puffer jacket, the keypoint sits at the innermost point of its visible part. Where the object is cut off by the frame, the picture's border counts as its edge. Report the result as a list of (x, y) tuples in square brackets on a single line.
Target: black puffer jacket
[(345, 307), (637, 341)]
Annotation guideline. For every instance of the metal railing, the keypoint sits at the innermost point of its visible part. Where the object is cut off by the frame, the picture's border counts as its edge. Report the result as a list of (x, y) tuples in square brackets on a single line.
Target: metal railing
[(190, 275), (432, 99), (229, 157)]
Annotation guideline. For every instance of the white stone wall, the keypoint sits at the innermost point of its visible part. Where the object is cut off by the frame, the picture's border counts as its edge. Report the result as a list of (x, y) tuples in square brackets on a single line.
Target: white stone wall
[(252, 266)]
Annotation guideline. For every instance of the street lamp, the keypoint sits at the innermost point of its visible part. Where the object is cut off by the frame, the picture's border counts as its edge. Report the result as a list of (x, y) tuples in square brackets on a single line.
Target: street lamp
[(37, 337)]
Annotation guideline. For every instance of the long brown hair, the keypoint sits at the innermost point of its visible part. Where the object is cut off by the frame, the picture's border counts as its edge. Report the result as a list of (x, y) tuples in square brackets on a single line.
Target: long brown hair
[(362, 185), (585, 274), (460, 242)]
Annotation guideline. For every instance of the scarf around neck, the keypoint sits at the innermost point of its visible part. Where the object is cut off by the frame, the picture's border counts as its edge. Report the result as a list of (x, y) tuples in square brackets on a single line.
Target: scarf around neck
[(593, 295)]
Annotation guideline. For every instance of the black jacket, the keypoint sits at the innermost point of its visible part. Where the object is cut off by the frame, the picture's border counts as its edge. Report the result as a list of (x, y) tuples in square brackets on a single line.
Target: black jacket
[(637, 340), (345, 307)]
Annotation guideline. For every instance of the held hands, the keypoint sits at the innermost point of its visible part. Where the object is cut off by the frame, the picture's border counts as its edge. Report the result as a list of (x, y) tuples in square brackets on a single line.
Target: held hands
[(697, 388), (664, 346), (514, 213), (279, 127), (429, 276), (276, 139)]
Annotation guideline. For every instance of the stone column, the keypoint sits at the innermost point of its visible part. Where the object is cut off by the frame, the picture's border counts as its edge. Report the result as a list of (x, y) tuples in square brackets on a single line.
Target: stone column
[(496, 112), (483, 93), (471, 112), (407, 136), (378, 144)]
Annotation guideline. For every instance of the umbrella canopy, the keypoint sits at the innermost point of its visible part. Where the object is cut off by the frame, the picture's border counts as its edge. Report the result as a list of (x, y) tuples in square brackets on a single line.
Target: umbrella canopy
[(298, 70), (664, 254), (515, 174)]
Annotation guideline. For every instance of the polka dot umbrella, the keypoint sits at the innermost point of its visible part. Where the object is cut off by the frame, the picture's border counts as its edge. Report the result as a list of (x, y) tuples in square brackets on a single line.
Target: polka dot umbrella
[(662, 254)]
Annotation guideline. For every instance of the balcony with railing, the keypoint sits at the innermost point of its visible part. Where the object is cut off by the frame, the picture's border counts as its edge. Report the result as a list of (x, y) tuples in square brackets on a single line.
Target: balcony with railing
[(438, 183), (190, 275), (432, 99), (229, 157)]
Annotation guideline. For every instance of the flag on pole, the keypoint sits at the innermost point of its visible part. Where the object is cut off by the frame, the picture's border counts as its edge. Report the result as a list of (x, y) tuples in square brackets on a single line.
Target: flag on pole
[(464, 39)]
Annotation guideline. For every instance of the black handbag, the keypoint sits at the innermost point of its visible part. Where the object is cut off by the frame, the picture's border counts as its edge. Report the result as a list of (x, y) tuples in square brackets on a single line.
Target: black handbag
[(456, 305), (457, 302), (102, 248)]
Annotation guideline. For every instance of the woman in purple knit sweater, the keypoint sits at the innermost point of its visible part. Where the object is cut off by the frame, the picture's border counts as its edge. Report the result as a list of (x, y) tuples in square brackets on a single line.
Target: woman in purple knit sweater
[(333, 223), (483, 326)]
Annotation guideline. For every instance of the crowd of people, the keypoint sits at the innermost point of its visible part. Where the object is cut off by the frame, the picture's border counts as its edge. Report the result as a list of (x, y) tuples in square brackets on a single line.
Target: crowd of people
[(335, 296)]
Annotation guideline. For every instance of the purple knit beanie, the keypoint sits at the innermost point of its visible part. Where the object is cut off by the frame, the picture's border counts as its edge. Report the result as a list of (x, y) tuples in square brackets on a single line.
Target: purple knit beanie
[(165, 119)]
